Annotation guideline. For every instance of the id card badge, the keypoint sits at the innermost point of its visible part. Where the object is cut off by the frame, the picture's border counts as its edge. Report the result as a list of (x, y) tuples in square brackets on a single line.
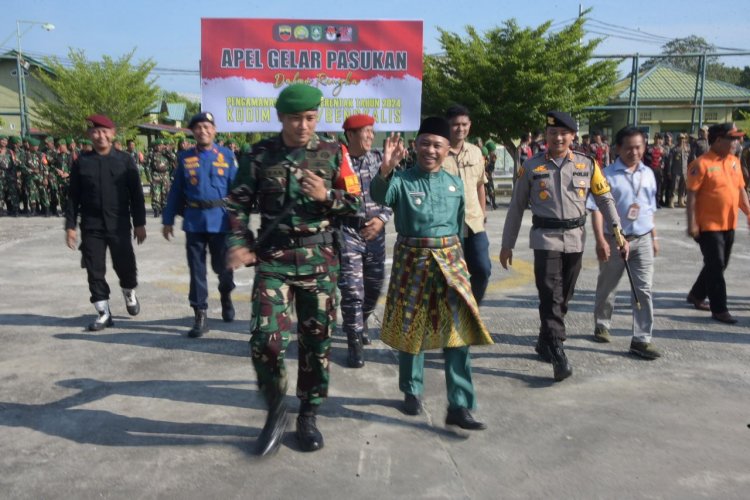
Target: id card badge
[(633, 211)]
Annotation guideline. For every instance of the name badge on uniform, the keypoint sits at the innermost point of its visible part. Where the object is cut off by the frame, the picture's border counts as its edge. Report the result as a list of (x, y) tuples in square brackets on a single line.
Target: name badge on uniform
[(633, 211)]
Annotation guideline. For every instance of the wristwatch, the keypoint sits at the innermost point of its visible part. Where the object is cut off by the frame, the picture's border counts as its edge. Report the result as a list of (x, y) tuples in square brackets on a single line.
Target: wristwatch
[(331, 195)]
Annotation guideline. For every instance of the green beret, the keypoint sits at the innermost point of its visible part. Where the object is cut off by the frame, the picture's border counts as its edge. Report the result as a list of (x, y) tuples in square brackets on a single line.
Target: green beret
[(491, 146), (14, 139), (70, 139), (3, 137), (86, 142), (485, 151), (62, 142), (49, 138), (297, 98), (33, 141), (246, 148), (230, 141)]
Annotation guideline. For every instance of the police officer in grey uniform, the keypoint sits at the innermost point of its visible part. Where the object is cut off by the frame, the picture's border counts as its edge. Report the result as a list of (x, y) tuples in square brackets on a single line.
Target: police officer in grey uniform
[(554, 184)]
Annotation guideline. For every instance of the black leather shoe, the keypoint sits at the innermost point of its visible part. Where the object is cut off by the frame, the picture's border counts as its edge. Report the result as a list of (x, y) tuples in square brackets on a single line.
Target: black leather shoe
[(308, 435), (270, 437), (560, 365), (462, 418), (356, 358), (227, 308), (542, 350), (724, 317), (412, 405), (200, 327), (701, 305)]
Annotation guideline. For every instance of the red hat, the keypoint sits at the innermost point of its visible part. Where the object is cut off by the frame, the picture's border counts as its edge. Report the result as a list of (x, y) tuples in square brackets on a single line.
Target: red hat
[(100, 121), (358, 121)]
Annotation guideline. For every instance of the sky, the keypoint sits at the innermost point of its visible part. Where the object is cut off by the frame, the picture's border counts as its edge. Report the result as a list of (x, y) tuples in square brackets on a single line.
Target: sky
[(168, 31)]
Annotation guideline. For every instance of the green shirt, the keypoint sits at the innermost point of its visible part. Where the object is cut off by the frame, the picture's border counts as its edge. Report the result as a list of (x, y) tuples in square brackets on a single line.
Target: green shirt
[(425, 205)]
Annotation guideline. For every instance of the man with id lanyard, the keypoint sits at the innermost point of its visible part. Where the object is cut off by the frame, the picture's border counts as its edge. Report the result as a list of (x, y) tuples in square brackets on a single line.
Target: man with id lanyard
[(633, 186)]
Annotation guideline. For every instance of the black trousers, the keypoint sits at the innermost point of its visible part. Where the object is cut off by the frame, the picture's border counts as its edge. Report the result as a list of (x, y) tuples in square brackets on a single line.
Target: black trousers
[(716, 247), (556, 274), (93, 248)]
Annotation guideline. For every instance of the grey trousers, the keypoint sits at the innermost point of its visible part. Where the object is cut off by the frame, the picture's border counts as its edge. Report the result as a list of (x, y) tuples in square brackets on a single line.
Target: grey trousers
[(642, 268)]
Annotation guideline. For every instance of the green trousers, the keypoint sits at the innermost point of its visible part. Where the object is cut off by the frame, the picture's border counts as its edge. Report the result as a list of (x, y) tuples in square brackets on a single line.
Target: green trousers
[(457, 376)]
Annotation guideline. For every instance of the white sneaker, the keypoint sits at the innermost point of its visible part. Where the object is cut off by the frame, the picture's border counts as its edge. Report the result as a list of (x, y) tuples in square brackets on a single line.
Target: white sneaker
[(131, 301)]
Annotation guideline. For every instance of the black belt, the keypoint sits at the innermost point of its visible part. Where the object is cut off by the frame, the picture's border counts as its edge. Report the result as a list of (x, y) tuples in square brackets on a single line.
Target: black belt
[(350, 221), (547, 223), (206, 203), (631, 237), (286, 240)]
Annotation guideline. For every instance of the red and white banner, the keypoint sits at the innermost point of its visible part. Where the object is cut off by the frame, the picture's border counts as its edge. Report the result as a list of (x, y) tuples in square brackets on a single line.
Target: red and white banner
[(372, 67)]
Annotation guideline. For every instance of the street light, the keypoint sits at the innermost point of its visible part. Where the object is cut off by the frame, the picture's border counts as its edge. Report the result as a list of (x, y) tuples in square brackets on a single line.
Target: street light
[(21, 67)]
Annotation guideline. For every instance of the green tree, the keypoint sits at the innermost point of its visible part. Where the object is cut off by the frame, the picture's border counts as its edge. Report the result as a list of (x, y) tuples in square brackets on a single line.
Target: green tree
[(115, 87), (191, 107), (509, 77), (692, 44)]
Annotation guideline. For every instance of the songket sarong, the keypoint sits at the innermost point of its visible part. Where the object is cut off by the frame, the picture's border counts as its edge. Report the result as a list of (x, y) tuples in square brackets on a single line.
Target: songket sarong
[(429, 303)]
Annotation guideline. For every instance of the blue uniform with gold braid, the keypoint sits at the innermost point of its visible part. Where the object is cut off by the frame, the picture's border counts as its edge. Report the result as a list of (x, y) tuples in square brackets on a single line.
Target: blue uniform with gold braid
[(201, 183)]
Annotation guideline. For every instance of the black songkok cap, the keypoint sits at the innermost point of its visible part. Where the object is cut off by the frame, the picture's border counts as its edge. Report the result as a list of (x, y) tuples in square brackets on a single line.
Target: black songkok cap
[(435, 125), (561, 119)]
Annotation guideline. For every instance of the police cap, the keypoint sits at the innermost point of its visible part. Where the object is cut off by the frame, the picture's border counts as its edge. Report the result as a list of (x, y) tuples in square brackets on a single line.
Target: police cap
[(561, 119)]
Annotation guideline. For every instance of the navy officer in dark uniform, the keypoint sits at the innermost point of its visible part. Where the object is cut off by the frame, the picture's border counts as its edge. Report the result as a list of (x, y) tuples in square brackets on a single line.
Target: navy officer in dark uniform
[(105, 190), (201, 183)]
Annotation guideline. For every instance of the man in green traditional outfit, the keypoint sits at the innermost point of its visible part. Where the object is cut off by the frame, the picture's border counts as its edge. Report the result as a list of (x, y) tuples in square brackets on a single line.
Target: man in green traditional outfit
[(430, 304)]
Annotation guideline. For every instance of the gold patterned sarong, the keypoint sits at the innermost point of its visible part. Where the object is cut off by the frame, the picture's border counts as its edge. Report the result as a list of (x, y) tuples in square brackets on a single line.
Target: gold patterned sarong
[(429, 303)]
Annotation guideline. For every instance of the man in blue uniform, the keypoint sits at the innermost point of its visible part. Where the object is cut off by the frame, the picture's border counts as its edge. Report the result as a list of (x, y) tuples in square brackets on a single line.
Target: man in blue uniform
[(363, 246), (201, 183)]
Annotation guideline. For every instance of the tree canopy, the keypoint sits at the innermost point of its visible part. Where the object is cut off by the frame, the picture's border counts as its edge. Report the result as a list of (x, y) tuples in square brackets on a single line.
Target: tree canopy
[(115, 87), (509, 76)]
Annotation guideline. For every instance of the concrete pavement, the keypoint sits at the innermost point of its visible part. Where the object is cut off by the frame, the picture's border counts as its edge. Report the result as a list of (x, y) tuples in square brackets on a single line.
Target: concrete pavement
[(141, 411)]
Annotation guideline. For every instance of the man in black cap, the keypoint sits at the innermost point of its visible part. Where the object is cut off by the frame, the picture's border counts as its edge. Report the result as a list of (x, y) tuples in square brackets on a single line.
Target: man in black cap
[(715, 193), (555, 184), (201, 184), (105, 189)]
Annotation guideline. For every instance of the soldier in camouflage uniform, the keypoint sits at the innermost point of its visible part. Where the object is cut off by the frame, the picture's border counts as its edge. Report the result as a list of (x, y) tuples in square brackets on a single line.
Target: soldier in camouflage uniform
[(34, 179), (363, 250), (8, 191), (158, 173), (61, 172), (299, 182)]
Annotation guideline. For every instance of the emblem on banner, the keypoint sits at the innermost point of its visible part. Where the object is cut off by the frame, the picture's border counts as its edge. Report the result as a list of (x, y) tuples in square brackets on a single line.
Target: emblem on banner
[(331, 34), (285, 32), (345, 33), (316, 33), (301, 32)]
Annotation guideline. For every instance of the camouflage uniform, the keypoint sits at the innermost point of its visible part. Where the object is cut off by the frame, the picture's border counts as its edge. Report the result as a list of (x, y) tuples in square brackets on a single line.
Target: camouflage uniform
[(362, 262), (8, 191), (34, 174), (159, 174), (61, 172), (297, 263)]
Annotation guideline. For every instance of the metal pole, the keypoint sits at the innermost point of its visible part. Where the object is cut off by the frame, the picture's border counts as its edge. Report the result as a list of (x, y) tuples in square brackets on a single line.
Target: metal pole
[(636, 63), (21, 83), (703, 84)]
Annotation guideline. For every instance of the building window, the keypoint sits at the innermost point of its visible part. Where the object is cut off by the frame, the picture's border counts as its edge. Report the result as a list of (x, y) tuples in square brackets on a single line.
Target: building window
[(644, 116), (712, 115)]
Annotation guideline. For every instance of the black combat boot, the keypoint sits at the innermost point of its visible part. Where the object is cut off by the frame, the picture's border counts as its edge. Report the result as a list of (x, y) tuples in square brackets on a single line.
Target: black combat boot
[(269, 439), (356, 358), (227, 308), (200, 326), (560, 364), (308, 435), (542, 349), (365, 335)]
